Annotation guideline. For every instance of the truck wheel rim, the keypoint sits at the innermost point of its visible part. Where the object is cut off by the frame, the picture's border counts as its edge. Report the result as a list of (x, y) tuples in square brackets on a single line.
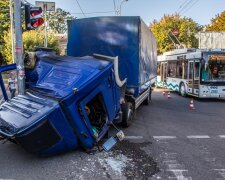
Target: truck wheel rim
[(129, 114)]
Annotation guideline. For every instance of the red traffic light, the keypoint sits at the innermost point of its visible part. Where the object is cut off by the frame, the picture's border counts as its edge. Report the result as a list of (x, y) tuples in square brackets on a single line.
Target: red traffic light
[(37, 22), (33, 17)]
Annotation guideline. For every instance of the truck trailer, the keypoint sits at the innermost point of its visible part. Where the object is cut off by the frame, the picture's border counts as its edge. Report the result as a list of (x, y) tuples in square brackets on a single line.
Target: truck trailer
[(72, 101)]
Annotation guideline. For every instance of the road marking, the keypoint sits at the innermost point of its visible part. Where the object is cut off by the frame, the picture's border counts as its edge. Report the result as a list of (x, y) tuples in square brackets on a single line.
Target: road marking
[(221, 172), (164, 137), (179, 174), (133, 137), (198, 137), (177, 170), (222, 136)]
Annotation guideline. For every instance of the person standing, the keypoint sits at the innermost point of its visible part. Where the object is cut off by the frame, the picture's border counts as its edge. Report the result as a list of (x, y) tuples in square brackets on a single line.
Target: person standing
[(12, 84)]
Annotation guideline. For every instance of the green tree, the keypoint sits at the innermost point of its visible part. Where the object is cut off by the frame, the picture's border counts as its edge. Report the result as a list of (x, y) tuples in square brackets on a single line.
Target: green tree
[(217, 24), (31, 40), (163, 31), (58, 20), (5, 21)]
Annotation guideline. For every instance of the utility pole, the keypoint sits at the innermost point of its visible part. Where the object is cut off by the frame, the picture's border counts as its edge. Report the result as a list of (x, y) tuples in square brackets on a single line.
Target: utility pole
[(46, 34), (12, 30), (19, 48)]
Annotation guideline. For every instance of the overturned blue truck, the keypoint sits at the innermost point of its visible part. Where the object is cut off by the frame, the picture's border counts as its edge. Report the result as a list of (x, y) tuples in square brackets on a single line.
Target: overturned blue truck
[(71, 101)]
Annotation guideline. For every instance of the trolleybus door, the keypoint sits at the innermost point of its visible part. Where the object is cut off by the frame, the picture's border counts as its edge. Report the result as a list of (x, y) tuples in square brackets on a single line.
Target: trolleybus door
[(193, 77), (164, 73)]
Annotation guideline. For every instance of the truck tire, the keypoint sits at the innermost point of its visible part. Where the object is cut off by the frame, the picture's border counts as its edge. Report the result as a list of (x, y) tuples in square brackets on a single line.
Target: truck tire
[(127, 114), (182, 90), (148, 99)]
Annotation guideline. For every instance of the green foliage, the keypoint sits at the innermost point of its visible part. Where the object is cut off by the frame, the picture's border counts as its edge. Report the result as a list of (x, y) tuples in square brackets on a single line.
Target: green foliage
[(58, 20), (4, 17), (4, 22), (163, 32), (217, 23), (31, 40)]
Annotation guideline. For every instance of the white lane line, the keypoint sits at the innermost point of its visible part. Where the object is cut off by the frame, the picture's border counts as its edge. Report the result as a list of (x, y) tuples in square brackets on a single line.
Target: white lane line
[(164, 137), (219, 169), (133, 137), (177, 170), (222, 136), (221, 172), (198, 137), (179, 174)]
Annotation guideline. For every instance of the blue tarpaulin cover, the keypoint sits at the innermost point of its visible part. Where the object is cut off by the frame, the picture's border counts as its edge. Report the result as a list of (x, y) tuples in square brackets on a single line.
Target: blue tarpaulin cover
[(126, 37)]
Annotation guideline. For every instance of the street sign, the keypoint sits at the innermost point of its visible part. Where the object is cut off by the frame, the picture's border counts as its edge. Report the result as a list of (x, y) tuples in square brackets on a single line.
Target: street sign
[(46, 6), (175, 32)]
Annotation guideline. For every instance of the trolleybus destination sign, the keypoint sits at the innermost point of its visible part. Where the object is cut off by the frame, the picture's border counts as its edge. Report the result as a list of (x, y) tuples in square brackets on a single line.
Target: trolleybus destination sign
[(217, 57)]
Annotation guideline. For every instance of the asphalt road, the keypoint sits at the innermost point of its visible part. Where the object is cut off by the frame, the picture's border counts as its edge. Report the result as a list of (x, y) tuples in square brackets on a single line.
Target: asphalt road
[(166, 140)]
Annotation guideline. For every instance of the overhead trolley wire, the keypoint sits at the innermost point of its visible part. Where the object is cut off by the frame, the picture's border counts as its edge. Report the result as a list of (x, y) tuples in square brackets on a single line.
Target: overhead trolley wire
[(100, 12), (182, 5), (114, 3), (185, 6), (80, 8), (195, 2)]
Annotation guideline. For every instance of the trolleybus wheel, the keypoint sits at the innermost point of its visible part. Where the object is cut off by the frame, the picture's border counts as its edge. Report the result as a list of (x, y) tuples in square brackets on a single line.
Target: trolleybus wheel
[(182, 90)]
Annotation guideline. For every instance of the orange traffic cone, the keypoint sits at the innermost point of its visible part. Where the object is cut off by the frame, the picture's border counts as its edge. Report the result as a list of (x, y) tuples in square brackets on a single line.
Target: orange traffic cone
[(191, 105), (164, 93), (168, 95)]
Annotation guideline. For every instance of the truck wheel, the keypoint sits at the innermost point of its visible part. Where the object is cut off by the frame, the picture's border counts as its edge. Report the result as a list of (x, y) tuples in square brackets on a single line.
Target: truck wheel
[(127, 114), (148, 99), (182, 90)]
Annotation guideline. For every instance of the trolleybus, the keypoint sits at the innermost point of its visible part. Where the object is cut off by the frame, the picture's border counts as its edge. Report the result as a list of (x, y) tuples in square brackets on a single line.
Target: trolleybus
[(194, 72)]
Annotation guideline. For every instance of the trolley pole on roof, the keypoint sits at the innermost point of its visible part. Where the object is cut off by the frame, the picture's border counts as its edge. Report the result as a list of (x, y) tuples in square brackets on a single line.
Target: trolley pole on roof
[(19, 48)]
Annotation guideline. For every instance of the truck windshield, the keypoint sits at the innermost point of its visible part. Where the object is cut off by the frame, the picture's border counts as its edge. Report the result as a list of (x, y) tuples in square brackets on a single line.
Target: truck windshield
[(214, 71)]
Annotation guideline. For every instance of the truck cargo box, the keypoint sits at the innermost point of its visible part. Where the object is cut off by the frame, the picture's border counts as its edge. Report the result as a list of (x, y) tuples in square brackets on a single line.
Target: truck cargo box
[(126, 37)]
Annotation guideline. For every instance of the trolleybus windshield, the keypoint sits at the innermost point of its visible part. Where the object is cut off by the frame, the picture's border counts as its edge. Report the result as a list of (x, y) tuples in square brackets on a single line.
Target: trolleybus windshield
[(214, 69)]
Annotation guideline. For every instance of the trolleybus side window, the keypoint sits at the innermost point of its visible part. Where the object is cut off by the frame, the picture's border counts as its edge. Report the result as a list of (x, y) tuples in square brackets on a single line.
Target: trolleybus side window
[(179, 73), (196, 70), (172, 69), (191, 71), (159, 69), (185, 69)]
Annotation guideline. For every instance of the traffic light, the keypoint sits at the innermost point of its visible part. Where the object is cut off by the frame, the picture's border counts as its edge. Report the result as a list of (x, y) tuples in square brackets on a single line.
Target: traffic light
[(33, 17)]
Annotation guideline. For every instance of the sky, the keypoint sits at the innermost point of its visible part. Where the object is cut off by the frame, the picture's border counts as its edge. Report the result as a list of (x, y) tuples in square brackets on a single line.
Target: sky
[(201, 11)]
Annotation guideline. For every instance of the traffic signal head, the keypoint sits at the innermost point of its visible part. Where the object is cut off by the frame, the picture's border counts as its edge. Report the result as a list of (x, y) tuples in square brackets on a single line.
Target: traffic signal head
[(33, 17)]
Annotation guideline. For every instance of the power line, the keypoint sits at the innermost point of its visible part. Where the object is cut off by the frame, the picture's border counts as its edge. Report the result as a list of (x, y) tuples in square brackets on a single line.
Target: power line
[(181, 6), (80, 8), (185, 6), (114, 3), (195, 2), (102, 12)]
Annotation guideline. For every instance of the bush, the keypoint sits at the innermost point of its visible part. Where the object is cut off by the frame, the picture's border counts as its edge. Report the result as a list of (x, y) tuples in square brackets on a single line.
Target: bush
[(31, 40)]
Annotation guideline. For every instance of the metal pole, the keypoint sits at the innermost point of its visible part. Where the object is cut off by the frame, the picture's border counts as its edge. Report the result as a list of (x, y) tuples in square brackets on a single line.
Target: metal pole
[(46, 35), (12, 31), (19, 48)]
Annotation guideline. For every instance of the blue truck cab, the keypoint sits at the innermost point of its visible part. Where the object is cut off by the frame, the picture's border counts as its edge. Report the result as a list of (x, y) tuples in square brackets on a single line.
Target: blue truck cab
[(71, 101), (67, 100)]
